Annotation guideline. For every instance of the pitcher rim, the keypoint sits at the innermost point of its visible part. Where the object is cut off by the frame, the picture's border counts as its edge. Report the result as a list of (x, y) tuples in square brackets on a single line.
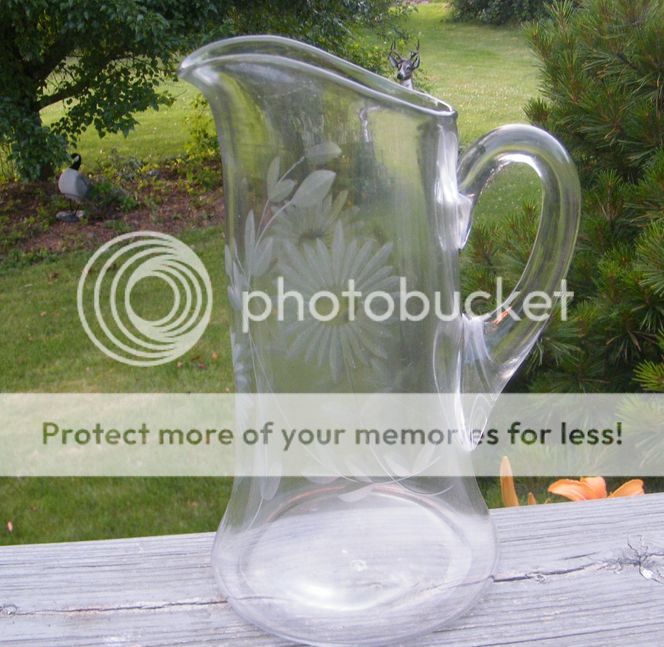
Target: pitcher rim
[(249, 48)]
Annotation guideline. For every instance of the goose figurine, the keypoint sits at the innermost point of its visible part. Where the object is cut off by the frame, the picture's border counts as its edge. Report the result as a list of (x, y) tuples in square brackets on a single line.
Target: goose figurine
[(75, 187)]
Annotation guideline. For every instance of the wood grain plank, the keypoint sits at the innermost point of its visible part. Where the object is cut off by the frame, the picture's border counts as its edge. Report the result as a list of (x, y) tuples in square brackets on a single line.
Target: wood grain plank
[(573, 574)]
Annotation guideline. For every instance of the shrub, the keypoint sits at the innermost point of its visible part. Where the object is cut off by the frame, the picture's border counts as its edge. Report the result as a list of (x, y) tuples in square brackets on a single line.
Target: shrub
[(602, 96), (499, 12), (338, 26), (105, 61), (106, 198)]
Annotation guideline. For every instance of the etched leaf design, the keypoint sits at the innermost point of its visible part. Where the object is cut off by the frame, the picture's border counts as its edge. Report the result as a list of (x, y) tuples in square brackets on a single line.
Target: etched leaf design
[(338, 204), (280, 191), (257, 252), (249, 233), (273, 174), (262, 258), (313, 188), (277, 190), (321, 153), (236, 285)]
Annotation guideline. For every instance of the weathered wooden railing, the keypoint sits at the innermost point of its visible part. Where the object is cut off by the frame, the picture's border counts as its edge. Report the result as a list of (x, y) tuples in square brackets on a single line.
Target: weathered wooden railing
[(581, 574)]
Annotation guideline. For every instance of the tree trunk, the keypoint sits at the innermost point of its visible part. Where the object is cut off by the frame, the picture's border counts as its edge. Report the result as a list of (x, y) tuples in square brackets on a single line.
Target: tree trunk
[(34, 148), (46, 170)]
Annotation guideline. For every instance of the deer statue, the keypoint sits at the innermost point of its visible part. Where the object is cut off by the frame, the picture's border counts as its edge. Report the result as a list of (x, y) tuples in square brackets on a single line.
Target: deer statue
[(404, 66)]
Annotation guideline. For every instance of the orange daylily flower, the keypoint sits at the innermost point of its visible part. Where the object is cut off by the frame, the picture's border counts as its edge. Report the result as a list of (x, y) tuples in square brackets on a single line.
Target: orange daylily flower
[(507, 489), (629, 488), (588, 487), (593, 487)]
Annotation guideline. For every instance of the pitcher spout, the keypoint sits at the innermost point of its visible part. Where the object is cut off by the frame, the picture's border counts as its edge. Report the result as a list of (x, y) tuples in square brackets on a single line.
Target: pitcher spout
[(238, 56)]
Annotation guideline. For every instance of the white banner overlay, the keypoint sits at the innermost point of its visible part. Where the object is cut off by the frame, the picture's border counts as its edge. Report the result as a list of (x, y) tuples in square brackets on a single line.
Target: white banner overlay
[(330, 435)]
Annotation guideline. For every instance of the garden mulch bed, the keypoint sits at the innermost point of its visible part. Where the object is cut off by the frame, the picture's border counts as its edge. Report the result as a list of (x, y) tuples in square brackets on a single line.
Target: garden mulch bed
[(162, 200)]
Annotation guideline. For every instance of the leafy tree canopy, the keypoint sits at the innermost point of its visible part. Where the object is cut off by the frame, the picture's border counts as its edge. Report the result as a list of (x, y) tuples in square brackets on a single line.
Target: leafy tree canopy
[(104, 60)]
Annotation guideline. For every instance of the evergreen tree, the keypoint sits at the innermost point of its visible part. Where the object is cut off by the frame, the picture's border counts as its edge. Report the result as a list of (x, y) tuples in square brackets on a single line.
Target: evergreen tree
[(602, 65)]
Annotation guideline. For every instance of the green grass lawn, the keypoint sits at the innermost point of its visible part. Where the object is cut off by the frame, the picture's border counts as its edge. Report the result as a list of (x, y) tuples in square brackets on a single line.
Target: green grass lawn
[(486, 73), (43, 347), (160, 133)]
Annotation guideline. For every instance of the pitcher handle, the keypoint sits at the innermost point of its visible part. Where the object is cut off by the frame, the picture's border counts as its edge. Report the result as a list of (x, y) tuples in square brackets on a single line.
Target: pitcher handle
[(497, 343)]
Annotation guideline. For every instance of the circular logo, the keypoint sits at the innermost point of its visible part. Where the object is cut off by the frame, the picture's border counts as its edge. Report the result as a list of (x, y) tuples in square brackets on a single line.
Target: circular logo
[(135, 263)]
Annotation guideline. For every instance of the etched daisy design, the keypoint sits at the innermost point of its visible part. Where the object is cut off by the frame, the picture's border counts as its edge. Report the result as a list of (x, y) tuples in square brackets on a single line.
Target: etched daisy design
[(307, 224), (345, 338)]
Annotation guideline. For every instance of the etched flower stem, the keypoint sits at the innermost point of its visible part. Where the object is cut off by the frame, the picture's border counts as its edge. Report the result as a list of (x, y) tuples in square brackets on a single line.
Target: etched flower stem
[(265, 224)]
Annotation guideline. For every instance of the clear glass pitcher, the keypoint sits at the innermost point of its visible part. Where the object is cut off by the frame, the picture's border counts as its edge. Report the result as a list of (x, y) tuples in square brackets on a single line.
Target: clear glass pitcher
[(333, 173)]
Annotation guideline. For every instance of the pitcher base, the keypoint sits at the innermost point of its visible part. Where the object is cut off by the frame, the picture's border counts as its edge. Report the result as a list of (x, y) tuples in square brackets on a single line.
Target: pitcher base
[(330, 570)]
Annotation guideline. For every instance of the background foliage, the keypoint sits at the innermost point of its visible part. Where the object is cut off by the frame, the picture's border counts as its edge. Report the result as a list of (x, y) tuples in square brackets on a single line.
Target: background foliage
[(105, 61), (487, 73), (499, 12), (603, 97)]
